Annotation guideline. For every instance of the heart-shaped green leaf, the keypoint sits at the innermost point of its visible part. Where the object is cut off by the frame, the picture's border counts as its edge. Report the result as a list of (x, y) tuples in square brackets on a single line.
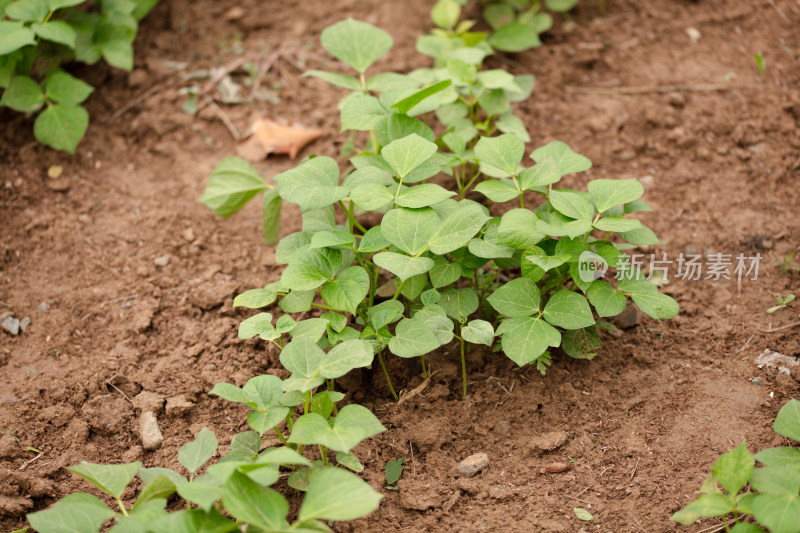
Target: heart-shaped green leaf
[(408, 153), (459, 228), (478, 332), (526, 338), (312, 185), (335, 494), (193, 455), (568, 310), (503, 153), (517, 298), (565, 159), (353, 424), (232, 184), (607, 193), (348, 289), (356, 43), (413, 338), (403, 266)]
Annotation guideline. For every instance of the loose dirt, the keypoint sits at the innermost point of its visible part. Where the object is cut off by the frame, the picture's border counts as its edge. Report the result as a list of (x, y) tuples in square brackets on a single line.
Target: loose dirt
[(639, 426)]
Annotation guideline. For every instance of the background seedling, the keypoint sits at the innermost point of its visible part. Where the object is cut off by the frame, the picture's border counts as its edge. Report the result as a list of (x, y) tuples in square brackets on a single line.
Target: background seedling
[(782, 304), (394, 469)]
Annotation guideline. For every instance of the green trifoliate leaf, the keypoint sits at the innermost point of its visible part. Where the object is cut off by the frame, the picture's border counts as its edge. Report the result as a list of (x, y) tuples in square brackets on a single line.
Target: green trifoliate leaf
[(324, 239), (408, 153), (255, 325), (410, 102), (264, 391), (147, 475), (353, 424), (403, 266), (478, 332), (15, 36), (312, 328), (780, 457), (259, 506), (503, 153), (581, 343), (515, 37), (526, 338), (373, 240), (459, 303), (568, 310), (413, 338), (335, 494), (572, 204), (257, 298), (787, 423), (311, 268), (458, 229), (779, 513), (373, 196), (423, 195), (160, 487), (23, 94), (232, 184), (774, 481), (617, 224), (56, 31), (385, 313), (543, 173), (117, 52), (445, 14), (111, 479), (356, 43), (334, 78), (498, 190), (610, 193), (658, 306), (75, 512), (444, 272), (349, 460), (431, 296), (519, 229), (362, 112), (396, 126), (484, 248), (517, 298), (347, 290), (510, 123), (28, 10), (201, 493), (312, 185), (605, 299), (539, 257), (193, 455), (642, 236), (411, 230), (565, 159)]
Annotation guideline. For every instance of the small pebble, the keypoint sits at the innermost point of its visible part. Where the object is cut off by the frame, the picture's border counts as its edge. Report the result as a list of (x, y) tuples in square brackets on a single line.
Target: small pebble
[(149, 431), (473, 464), (44, 306), (162, 261), (24, 323), (11, 325), (757, 381), (648, 181)]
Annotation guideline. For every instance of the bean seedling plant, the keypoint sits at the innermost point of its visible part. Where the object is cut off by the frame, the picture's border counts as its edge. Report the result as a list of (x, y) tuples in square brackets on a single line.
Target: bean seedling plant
[(234, 493), (437, 268), (40, 35), (773, 498)]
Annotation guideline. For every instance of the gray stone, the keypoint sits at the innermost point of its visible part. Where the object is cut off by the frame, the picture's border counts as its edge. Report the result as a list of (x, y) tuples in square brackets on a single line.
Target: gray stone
[(11, 325), (44, 306), (148, 401), (24, 323), (161, 261), (648, 181), (473, 464), (149, 431), (757, 381)]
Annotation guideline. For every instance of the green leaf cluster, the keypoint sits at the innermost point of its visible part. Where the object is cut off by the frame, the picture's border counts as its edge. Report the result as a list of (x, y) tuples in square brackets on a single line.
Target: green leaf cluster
[(773, 498), (38, 36)]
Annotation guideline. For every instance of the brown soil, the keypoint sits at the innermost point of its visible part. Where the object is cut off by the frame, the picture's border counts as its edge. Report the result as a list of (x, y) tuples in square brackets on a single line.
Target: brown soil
[(644, 421)]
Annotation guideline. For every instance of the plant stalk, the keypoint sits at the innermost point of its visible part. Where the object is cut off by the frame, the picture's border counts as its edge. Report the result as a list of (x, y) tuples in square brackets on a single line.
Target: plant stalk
[(463, 369), (388, 379)]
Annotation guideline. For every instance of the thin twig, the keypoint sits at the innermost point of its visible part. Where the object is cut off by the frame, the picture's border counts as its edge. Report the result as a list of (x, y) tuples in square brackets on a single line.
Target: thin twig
[(633, 472), (419, 388), (778, 10), (119, 391), (773, 330), (714, 528), (266, 64), (136, 101), (26, 463), (230, 67), (700, 87), (123, 299), (577, 499), (224, 118)]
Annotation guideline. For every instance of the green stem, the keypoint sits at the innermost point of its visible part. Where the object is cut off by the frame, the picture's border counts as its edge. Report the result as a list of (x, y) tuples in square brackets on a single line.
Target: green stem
[(363, 81), (463, 368), (388, 379), (374, 285), (283, 439), (307, 404), (324, 453), (321, 306), (424, 370), (121, 507), (399, 288), (352, 218)]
